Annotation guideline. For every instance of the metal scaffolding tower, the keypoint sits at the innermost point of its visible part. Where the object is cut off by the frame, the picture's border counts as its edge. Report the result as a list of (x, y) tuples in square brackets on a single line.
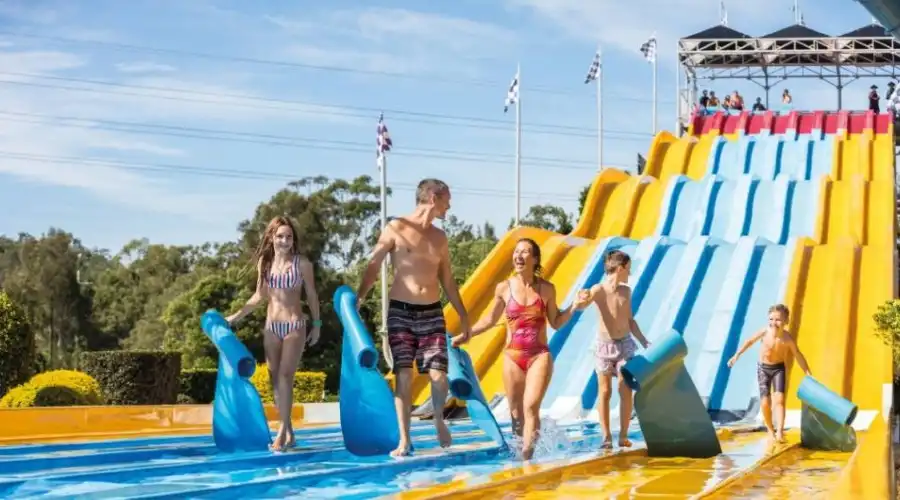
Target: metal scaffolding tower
[(796, 51)]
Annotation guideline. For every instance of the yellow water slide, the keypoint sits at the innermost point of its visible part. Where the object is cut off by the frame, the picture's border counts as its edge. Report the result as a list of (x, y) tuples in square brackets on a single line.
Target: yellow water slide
[(617, 204)]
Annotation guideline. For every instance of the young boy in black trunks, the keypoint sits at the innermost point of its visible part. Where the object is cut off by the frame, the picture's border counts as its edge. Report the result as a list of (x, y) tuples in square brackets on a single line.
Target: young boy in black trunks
[(777, 344)]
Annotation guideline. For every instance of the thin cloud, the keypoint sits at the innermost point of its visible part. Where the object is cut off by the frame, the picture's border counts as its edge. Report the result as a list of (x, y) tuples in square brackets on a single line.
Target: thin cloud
[(144, 67)]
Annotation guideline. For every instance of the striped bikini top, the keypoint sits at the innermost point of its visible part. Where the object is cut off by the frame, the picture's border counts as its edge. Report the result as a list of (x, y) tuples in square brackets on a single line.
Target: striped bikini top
[(288, 279)]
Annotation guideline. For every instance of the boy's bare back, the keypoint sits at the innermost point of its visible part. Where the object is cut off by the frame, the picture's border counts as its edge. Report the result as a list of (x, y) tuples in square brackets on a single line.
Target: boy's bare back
[(615, 310), (775, 347)]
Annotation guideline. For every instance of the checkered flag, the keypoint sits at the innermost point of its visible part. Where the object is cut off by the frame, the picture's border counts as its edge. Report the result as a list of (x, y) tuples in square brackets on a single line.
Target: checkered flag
[(383, 138), (594, 71), (648, 48), (512, 95)]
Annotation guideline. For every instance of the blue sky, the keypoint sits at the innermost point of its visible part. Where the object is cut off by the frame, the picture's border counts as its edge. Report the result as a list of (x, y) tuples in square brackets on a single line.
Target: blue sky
[(455, 60)]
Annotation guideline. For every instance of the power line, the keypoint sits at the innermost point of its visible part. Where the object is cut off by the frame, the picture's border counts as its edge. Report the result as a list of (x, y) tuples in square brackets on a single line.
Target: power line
[(288, 141), (244, 174), (431, 79), (323, 109)]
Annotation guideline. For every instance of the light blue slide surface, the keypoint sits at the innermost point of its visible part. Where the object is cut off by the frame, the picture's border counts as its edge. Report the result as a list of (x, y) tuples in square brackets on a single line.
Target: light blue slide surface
[(368, 416), (464, 385), (825, 418), (239, 421), (673, 419)]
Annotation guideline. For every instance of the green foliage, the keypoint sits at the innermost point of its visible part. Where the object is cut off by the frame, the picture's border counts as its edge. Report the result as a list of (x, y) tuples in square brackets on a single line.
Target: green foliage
[(149, 297), (549, 217), (134, 378), (16, 345), (31, 395), (198, 386), (82, 383), (309, 387), (887, 328)]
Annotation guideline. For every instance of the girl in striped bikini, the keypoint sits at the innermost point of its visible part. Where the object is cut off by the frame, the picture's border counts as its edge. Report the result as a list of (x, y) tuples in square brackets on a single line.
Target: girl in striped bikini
[(282, 276), (530, 305)]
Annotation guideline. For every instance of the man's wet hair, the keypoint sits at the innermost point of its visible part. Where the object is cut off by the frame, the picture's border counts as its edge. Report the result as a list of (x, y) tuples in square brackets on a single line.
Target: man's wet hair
[(428, 187)]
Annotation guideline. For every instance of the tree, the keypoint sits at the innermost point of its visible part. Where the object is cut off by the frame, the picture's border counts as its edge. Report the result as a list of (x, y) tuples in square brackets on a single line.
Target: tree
[(17, 352), (887, 328), (549, 217), (41, 275)]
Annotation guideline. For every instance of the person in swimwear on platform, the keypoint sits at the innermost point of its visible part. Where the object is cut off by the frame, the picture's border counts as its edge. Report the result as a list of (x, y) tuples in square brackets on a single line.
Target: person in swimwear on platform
[(530, 305), (777, 344), (420, 258), (282, 275), (614, 345)]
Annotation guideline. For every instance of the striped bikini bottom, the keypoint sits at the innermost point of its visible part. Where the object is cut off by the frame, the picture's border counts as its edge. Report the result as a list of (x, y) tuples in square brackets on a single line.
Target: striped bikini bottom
[(282, 329)]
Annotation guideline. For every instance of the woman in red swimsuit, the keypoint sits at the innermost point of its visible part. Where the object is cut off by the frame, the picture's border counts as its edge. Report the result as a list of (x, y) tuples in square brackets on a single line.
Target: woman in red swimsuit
[(530, 305)]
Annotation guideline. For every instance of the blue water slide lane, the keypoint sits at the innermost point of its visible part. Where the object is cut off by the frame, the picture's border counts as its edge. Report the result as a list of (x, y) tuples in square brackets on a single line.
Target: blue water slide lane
[(765, 156), (780, 210), (734, 221), (735, 390), (690, 212), (559, 340), (825, 418), (673, 420), (669, 206), (804, 208), (368, 416), (650, 253), (239, 421), (728, 312), (464, 385), (822, 157)]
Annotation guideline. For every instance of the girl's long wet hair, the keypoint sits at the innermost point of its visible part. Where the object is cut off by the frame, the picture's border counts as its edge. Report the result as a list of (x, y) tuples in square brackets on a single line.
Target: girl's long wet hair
[(536, 253), (265, 252)]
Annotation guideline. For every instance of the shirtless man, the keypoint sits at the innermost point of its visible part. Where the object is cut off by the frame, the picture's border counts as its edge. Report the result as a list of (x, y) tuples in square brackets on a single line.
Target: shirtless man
[(614, 343), (420, 259), (777, 343)]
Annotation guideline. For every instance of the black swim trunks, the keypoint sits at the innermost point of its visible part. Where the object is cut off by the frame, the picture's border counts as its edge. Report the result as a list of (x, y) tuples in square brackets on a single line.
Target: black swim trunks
[(417, 332), (770, 377)]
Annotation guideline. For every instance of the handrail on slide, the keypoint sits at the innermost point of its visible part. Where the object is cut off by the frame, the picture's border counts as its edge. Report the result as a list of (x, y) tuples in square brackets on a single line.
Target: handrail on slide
[(368, 415), (239, 421)]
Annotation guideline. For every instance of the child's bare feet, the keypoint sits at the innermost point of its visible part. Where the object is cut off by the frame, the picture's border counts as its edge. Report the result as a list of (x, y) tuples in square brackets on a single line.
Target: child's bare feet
[(443, 433), (624, 442), (779, 437), (527, 452), (607, 443), (403, 450)]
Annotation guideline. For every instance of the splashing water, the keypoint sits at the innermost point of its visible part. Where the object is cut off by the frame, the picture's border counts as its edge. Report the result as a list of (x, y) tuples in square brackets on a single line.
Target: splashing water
[(552, 443)]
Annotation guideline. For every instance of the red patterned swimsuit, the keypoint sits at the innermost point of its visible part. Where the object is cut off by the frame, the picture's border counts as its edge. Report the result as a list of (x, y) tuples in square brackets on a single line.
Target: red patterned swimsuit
[(526, 322)]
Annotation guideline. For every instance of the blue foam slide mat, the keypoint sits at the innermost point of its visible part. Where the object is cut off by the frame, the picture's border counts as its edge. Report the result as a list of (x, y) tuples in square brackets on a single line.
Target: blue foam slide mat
[(672, 416), (464, 385), (239, 420), (368, 416), (825, 418)]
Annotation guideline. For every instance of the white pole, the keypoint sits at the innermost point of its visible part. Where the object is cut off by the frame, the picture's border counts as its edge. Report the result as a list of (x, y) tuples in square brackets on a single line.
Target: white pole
[(518, 210), (655, 59), (600, 112), (678, 103), (382, 164)]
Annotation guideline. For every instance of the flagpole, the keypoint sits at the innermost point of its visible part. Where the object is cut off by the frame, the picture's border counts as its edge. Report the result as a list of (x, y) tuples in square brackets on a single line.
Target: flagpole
[(382, 164), (518, 209), (655, 59), (600, 112)]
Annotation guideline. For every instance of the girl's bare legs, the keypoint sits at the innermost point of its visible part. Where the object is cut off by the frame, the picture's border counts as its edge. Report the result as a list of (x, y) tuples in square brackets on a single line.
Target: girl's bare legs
[(291, 352), (514, 384), (273, 346), (536, 382)]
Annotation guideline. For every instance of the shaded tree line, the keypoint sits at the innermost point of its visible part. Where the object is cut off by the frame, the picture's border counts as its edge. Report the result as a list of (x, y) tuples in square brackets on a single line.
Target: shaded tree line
[(149, 296)]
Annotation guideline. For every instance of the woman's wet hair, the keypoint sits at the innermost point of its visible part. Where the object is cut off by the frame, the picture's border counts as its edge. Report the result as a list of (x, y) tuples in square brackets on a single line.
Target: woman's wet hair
[(265, 252), (536, 253)]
